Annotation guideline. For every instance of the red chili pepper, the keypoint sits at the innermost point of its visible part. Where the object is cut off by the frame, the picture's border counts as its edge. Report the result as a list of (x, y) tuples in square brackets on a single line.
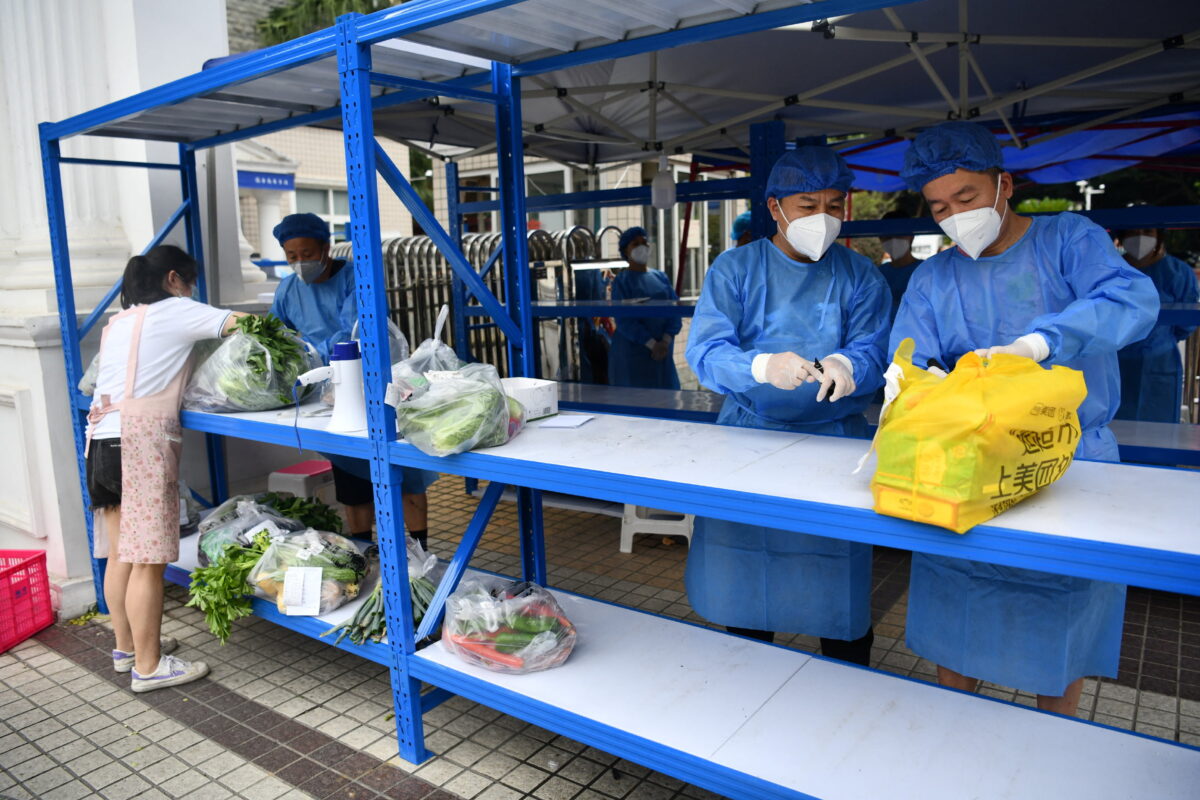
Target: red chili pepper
[(490, 653)]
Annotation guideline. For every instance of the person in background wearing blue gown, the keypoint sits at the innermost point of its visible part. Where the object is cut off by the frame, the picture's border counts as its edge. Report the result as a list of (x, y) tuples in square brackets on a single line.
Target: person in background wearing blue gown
[(1051, 288), (1152, 369), (317, 301), (903, 263), (642, 347), (768, 313)]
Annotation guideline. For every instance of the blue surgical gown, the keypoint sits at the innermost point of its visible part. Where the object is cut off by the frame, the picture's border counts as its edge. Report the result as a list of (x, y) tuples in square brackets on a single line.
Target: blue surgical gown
[(323, 313), (758, 300), (1152, 370), (1063, 279), (594, 341), (897, 280), (629, 361)]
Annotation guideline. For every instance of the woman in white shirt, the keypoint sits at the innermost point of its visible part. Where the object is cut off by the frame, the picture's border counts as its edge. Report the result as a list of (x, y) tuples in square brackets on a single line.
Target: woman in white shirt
[(134, 441)]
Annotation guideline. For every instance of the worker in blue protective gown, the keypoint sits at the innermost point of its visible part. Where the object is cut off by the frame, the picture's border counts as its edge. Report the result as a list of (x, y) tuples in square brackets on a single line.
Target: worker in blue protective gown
[(318, 302), (1152, 369), (898, 270), (317, 299), (768, 313), (1051, 288), (642, 352)]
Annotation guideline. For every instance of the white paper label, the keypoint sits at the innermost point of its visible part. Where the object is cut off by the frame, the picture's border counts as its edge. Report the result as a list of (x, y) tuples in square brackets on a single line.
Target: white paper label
[(440, 375), (302, 591)]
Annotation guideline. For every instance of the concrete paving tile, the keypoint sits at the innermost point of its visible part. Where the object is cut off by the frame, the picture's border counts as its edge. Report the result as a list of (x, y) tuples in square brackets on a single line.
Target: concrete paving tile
[(109, 773), (125, 789)]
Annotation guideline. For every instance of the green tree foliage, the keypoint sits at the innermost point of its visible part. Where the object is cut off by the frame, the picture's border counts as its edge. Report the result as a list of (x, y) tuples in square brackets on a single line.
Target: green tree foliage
[(872, 205), (301, 17), (1046, 205)]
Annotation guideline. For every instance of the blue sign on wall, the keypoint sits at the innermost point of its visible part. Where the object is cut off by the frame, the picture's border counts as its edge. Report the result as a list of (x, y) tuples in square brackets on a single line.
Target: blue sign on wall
[(266, 180)]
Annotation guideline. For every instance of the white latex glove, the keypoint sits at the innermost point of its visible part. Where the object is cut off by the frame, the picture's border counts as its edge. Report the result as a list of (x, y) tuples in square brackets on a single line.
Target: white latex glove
[(660, 350), (784, 370), (1032, 345), (837, 378)]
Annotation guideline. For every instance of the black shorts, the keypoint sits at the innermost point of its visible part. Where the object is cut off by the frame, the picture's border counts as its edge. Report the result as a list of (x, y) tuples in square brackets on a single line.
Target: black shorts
[(351, 490), (104, 473)]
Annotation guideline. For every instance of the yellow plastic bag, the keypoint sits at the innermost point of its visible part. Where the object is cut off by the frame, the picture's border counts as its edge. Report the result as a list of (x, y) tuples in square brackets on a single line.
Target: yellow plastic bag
[(957, 451)]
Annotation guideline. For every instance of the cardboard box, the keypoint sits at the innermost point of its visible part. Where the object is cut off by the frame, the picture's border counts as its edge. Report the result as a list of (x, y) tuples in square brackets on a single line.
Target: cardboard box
[(539, 397)]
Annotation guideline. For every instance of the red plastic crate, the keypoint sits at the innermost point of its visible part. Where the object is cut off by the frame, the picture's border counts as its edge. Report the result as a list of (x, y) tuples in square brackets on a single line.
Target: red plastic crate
[(24, 596)]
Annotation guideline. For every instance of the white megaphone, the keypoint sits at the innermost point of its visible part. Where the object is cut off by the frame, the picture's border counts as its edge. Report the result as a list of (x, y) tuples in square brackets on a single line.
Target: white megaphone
[(349, 403)]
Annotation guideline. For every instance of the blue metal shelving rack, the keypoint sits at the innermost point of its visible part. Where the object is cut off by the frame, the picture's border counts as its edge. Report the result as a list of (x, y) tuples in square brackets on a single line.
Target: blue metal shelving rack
[(350, 42)]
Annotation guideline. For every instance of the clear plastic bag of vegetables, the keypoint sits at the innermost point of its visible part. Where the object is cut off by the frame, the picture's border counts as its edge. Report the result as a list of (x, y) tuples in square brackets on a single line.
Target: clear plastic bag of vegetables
[(459, 411), (343, 567), (237, 524), (397, 349), (254, 369), (369, 622), (507, 626)]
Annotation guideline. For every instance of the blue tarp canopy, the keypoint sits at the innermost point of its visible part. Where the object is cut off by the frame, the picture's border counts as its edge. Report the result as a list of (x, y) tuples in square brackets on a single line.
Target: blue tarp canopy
[(1067, 158)]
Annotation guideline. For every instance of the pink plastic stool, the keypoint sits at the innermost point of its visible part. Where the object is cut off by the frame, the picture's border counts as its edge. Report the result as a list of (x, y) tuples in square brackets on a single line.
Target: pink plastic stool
[(302, 480)]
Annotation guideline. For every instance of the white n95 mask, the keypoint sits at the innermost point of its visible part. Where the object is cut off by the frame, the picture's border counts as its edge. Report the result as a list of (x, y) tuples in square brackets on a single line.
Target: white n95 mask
[(895, 248), (640, 254), (811, 235), (1139, 246), (973, 231)]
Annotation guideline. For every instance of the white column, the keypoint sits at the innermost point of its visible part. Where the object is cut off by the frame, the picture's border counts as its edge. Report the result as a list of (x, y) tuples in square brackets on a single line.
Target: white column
[(270, 214), (52, 66)]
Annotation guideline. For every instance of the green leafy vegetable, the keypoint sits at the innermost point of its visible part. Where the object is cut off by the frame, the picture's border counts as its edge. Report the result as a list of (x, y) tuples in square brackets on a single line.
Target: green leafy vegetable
[(309, 511), (219, 590)]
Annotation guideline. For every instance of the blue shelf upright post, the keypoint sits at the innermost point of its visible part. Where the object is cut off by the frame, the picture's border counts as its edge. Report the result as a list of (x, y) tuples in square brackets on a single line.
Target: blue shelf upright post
[(69, 325), (766, 146), (458, 289), (354, 68), (214, 445), (522, 355), (458, 294)]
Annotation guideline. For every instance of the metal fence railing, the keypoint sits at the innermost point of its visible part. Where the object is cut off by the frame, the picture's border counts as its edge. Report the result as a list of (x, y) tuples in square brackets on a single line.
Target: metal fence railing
[(419, 281)]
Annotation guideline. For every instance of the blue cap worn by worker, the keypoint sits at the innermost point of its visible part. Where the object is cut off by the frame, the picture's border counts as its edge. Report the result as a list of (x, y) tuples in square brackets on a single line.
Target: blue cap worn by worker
[(741, 226), (296, 226), (809, 169), (951, 146), (628, 235)]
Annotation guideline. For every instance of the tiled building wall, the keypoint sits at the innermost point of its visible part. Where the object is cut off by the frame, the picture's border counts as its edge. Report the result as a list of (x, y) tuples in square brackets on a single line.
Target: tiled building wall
[(320, 156)]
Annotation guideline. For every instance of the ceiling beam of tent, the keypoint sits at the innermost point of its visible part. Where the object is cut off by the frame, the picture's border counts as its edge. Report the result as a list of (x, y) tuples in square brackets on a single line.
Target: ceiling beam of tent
[(557, 91), (894, 18), (964, 67), (987, 88), (551, 133), (646, 12), (1083, 74), (652, 124), (675, 101), (591, 111), (490, 130), (797, 99), (1114, 116)]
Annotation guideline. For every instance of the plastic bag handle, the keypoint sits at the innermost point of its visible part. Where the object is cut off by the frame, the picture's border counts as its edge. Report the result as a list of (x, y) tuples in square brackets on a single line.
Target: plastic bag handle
[(443, 314)]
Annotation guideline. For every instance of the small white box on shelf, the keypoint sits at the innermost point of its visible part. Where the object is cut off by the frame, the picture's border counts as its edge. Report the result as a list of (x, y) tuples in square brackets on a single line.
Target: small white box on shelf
[(539, 397)]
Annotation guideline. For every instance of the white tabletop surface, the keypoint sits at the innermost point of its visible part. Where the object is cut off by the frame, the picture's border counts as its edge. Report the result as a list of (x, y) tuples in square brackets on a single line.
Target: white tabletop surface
[(825, 729), (1112, 503)]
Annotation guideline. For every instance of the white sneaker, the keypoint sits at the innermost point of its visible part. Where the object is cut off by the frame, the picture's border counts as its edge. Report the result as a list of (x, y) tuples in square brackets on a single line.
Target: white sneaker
[(171, 671), (123, 662)]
